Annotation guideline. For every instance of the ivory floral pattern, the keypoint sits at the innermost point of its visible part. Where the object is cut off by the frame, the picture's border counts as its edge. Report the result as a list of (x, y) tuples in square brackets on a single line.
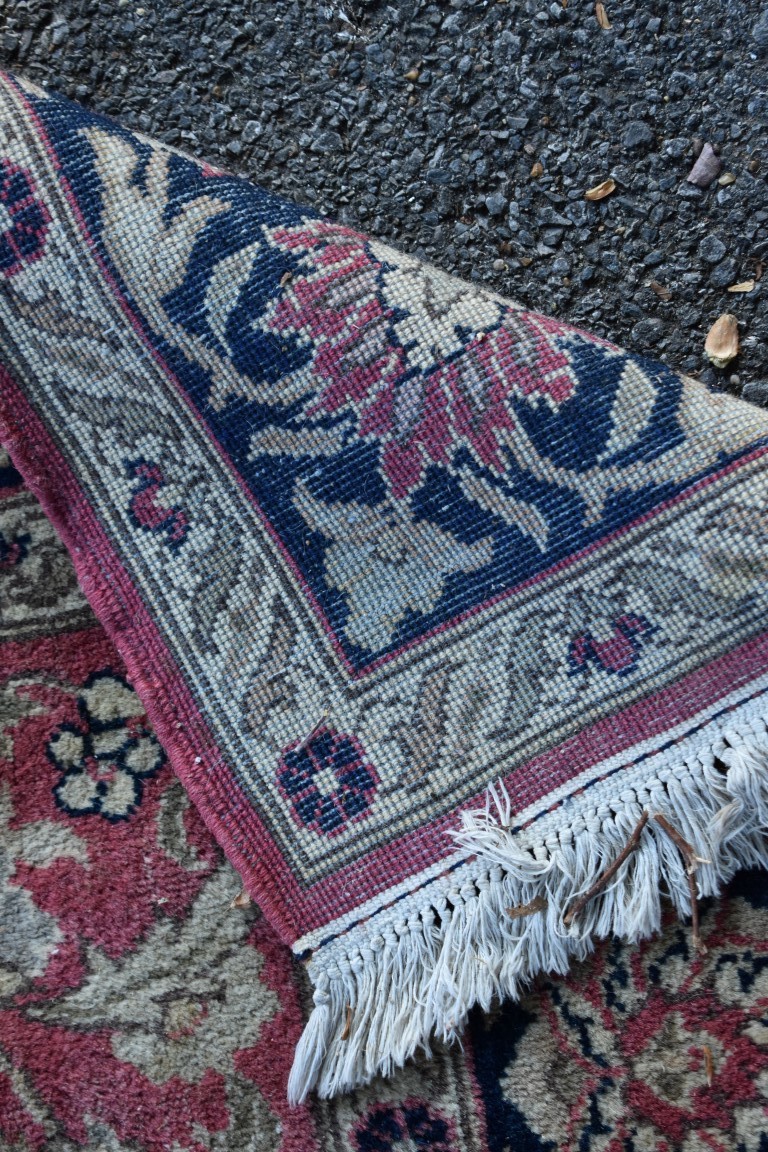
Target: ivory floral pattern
[(653, 1047), (415, 395), (202, 1005), (106, 756), (141, 1011)]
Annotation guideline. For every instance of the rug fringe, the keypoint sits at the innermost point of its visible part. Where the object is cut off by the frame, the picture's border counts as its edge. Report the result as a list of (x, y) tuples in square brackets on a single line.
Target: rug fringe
[(381, 995)]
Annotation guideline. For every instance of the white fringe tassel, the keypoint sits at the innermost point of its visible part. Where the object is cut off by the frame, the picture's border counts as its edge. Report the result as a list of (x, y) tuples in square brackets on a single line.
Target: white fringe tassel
[(384, 989)]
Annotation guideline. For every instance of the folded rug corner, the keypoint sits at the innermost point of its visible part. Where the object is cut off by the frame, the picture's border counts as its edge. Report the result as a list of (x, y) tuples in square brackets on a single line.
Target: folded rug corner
[(450, 616)]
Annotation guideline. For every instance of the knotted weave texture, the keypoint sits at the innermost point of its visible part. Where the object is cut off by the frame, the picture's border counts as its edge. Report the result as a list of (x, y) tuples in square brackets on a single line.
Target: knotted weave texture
[(436, 604)]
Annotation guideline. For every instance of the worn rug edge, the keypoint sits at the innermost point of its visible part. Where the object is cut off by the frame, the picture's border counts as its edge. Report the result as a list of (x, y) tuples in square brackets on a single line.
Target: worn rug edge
[(527, 899)]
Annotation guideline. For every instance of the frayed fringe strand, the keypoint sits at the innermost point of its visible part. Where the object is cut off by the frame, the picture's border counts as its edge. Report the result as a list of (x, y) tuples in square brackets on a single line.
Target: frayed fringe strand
[(530, 901)]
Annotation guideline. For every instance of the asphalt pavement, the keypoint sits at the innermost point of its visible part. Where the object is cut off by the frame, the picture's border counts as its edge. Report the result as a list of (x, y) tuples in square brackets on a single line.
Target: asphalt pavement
[(469, 133)]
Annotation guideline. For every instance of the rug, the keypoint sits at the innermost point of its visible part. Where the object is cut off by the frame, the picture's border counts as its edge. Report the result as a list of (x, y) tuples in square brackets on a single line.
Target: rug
[(449, 616), (145, 1004), (132, 968)]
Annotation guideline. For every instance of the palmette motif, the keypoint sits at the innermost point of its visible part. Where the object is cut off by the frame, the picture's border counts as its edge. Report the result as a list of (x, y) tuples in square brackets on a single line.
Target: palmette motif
[(382, 538)]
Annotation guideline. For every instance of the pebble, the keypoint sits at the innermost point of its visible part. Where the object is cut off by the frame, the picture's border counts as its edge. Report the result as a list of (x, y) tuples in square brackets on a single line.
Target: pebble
[(756, 391), (328, 141), (710, 377), (724, 273), (637, 135), (59, 32), (676, 147), (688, 191), (712, 250), (496, 203), (251, 131), (647, 333), (760, 30)]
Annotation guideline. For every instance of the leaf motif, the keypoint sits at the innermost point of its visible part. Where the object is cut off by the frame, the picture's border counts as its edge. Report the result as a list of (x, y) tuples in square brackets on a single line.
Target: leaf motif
[(271, 686), (160, 265), (420, 741), (508, 507), (386, 547)]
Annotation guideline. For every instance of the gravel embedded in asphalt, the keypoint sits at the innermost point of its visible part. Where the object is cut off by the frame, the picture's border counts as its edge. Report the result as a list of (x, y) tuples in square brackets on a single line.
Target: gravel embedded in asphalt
[(422, 123)]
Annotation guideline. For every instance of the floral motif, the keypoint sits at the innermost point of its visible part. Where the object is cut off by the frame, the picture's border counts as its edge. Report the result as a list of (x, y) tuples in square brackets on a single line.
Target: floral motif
[(107, 755), (338, 756), (25, 949), (13, 551), (427, 363), (386, 548), (147, 508), (35, 572), (410, 1124), (650, 1047), (24, 219), (617, 653), (186, 1000)]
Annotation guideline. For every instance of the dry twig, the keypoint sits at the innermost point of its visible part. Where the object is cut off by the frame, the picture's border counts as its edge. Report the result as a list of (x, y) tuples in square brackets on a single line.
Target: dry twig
[(692, 862), (536, 905), (709, 1064), (579, 905)]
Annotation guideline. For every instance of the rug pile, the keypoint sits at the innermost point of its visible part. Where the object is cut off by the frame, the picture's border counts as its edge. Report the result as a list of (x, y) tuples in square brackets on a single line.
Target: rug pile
[(144, 1005), (449, 617)]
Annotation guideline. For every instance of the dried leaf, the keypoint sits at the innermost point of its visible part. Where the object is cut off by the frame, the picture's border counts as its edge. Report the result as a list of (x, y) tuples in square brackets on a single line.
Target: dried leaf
[(602, 16), (661, 291), (726, 179), (412, 75), (743, 286), (706, 168), (722, 343), (600, 191), (537, 170)]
